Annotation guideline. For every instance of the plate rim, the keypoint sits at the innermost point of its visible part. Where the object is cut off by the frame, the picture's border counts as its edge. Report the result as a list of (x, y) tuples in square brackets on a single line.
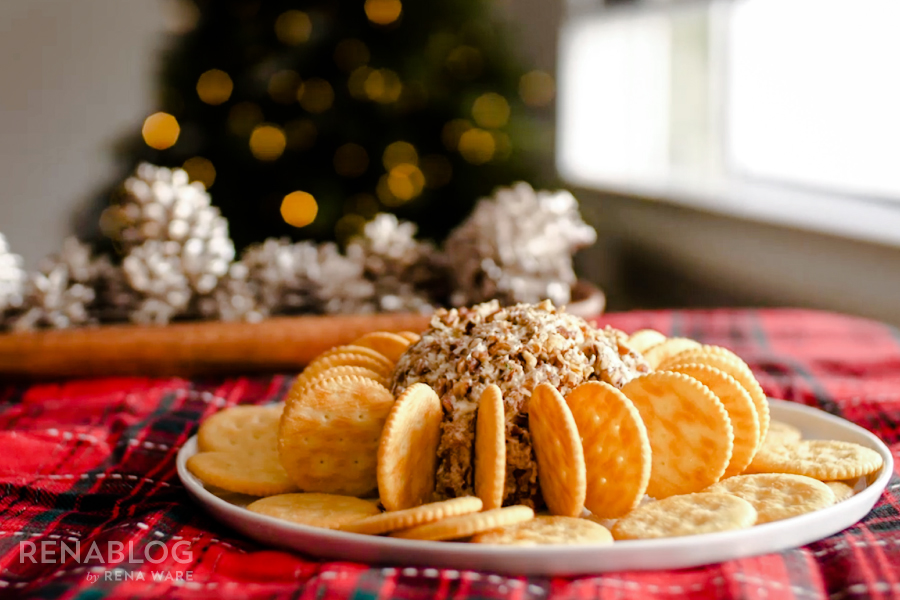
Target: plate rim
[(213, 505)]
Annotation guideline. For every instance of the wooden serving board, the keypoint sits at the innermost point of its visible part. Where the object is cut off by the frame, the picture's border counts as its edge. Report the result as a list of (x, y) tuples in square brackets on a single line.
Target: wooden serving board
[(188, 349), (278, 344)]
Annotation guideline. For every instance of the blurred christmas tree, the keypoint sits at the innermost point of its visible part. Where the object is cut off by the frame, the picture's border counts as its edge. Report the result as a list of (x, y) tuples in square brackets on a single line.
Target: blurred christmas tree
[(306, 118)]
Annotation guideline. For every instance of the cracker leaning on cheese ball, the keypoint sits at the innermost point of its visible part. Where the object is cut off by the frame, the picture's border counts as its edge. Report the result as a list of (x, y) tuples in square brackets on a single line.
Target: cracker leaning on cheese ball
[(464, 431)]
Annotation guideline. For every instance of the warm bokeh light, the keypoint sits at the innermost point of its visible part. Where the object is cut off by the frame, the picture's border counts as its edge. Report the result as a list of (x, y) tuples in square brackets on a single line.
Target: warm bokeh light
[(348, 226), (361, 204), (437, 170), (383, 12), (384, 193), (383, 85), (452, 131), (405, 181), (356, 83), (160, 130), (477, 146), (315, 95), (351, 160), (299, 209), (465, 62), (293, 27), (490, 110), (350, 54), (283, 86), (267, 142), (214, 87), (397, 153), (537, 88), (301, 134), (200, 169)]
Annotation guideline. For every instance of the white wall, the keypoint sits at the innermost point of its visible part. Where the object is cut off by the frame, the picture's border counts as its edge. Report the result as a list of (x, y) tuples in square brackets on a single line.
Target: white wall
[(74, 75)]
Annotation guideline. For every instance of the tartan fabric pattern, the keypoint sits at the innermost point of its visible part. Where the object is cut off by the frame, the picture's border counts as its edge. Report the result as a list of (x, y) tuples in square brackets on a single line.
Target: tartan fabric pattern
[(94, 461)]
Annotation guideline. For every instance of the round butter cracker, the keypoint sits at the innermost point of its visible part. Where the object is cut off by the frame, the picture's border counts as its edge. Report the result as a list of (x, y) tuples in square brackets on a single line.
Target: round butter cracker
[(329, 511), (407, 450), (690, 514), (557, 446), (691, 438), (466, 525), (543, 530), (616, 448), (490, 448), (328, 436)]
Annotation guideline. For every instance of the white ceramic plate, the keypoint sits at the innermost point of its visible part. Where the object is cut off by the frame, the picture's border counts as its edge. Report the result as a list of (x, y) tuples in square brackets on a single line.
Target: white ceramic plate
[(670, 553)]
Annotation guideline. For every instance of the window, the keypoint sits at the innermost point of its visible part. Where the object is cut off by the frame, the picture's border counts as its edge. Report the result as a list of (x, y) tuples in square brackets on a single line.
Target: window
[(777, 110)]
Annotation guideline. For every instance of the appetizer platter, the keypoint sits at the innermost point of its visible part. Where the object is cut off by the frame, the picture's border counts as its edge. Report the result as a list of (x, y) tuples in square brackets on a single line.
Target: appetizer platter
[(523, 439)]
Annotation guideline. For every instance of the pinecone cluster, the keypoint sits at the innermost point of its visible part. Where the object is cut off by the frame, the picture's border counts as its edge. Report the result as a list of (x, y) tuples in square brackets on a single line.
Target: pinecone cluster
[(178, 262)]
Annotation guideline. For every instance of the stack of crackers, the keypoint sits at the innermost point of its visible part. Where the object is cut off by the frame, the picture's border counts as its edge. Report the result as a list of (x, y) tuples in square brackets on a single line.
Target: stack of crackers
[(688, 448)]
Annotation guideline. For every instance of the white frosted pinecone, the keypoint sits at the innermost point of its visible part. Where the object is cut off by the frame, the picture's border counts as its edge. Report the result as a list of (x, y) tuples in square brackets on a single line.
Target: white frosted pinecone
[(155, 270), (12, 279), (341, 286), (116, 299), (234, 299), (83, 266), (517, 247), (284, 275), (158, 204), (62, 292), (406, 274)]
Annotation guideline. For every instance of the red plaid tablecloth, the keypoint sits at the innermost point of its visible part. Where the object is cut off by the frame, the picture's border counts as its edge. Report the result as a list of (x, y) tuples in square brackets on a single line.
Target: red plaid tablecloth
[(94, 461)]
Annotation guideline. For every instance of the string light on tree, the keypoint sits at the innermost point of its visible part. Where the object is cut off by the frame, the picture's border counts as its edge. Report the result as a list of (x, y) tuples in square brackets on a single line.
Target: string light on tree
[(398, 153), (405, 181), (477, 146), (293, 27), (356, 83), (537, 88), (383, 85), (299, 209), (315, 95), (301, 134), (267, 142), (349, 226), (384, 193), (283, 86), (200, 169), (383, 12), (214, 87), (490, 111), (160, 130)]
